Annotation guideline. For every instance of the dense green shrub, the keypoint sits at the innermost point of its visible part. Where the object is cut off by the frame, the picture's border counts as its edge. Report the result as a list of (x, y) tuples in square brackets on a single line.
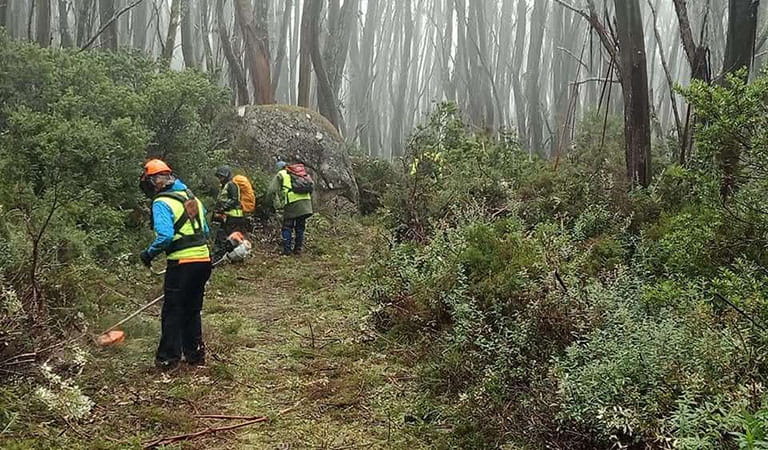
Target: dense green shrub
[(75, 128), (562, 309)]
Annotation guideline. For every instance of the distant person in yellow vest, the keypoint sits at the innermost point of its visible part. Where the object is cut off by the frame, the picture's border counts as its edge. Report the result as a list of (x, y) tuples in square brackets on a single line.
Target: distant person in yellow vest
[(291, 191), (228, 211), (178, 219)]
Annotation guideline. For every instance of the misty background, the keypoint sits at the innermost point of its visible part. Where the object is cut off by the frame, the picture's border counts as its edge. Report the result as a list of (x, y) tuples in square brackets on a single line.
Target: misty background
[(533, 68)]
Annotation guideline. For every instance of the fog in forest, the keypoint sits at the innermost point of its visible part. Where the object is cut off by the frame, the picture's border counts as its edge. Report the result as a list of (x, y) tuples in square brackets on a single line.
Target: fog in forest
[(529, 67)]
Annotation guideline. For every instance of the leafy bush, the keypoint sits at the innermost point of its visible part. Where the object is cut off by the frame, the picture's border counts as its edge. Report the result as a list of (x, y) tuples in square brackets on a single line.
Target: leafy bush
[(561, 309), (76, 127)]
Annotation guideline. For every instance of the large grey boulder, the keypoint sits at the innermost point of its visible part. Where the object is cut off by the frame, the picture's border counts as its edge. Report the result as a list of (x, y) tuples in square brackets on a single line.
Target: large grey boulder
[(268, 133)]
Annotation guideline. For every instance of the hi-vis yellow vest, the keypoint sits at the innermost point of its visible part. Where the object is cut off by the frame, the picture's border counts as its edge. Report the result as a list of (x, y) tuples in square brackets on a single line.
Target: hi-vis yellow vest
[(234, 212), (290, 196), (189, 237)]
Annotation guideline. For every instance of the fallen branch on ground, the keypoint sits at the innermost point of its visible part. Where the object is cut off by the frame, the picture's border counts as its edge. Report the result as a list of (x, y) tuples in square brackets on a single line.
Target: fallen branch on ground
[(197, 434), (226, 417)]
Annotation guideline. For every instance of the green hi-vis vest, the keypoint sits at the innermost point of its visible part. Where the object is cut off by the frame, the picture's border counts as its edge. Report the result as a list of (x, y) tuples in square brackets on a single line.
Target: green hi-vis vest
[(234, 212), (290, 196), (189, 240)]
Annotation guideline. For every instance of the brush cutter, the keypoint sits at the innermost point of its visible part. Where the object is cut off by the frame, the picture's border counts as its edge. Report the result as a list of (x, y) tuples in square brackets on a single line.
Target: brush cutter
[(241, 251)]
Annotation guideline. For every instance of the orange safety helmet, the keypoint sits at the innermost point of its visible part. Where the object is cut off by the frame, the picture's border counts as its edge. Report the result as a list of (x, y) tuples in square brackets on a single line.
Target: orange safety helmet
[(155, 166)]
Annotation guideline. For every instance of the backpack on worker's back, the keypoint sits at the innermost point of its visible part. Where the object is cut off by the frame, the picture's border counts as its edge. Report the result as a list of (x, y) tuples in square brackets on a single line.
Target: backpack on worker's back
[(301, 181), (247, 197)]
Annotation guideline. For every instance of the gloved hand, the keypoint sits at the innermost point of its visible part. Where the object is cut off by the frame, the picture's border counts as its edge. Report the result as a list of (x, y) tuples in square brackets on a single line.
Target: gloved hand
[(146, 258)]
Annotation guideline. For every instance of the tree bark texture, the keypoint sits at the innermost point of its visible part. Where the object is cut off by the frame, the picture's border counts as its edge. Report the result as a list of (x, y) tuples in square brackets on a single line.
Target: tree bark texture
[(739, 53), (634, 80), (173, 27), (402, 81), (326, 104), (256, 49), (43, 23), (305, 59), (281, 46), (65, 36), (533, 75), (242, 96), (106, 13), (187, 31), (4, 7), (742, 30), (139, 26)]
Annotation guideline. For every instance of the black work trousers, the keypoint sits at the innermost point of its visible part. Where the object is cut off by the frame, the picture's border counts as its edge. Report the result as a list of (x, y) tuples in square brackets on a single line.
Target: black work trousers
[(182, 332)]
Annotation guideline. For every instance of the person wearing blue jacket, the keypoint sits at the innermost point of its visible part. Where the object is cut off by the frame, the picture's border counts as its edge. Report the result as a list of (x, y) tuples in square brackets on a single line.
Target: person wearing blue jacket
[(178, 219)]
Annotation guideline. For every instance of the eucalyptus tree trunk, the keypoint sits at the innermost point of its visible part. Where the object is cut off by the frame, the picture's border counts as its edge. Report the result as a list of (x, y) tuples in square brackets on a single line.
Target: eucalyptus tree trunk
[(305, 58), (66, 37), (634, 81), (325, 97), (337, 44), (43, 23), (363, 90), (242, 96), (288, 6), (173, 26), (139, 25), (4, 7), (742, 30), (187, 31), (205, 27), (517, 64), (106, 13), (254, 29), (533, 75), (402, 82), (739, 52), (83, 19)]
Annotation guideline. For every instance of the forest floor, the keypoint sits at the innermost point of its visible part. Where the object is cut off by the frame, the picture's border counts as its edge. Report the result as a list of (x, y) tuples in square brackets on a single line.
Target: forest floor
[(288, 338)]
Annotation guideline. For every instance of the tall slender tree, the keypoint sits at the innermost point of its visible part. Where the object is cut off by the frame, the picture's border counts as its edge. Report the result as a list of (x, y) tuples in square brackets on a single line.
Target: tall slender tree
[(106, 14), (254, 29), (173, 27), (43, 23), (187, 34)]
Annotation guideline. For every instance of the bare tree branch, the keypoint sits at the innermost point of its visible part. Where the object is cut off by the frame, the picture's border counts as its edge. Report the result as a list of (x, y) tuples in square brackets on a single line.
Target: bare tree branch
[(109, 22)]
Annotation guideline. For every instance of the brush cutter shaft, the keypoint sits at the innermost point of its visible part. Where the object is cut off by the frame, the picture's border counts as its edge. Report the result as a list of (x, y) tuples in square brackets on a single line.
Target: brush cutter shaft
[(136, 313)]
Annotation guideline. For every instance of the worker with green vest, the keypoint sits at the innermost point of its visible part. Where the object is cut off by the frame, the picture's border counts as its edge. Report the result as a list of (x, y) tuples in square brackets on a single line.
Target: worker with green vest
[(178, 219), (291, 191), (228, 212)]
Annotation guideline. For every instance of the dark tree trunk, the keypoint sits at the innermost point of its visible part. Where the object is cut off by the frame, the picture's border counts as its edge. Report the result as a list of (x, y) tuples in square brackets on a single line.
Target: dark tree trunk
[(4, 7), (533, 74), (305, 58), (109, 36), (235, 66), (402, 82), (205, 26), (517, 61), (139, 25), (742, 30), (254, 29), (84, 10), (634, 78), (66, 37), (43, 23), (281, 45), (187, 41), (739, 52), (326, 104), (170, 37)]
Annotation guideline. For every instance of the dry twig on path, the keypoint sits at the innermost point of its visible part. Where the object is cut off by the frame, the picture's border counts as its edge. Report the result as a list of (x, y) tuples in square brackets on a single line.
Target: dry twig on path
[(197, 434)]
